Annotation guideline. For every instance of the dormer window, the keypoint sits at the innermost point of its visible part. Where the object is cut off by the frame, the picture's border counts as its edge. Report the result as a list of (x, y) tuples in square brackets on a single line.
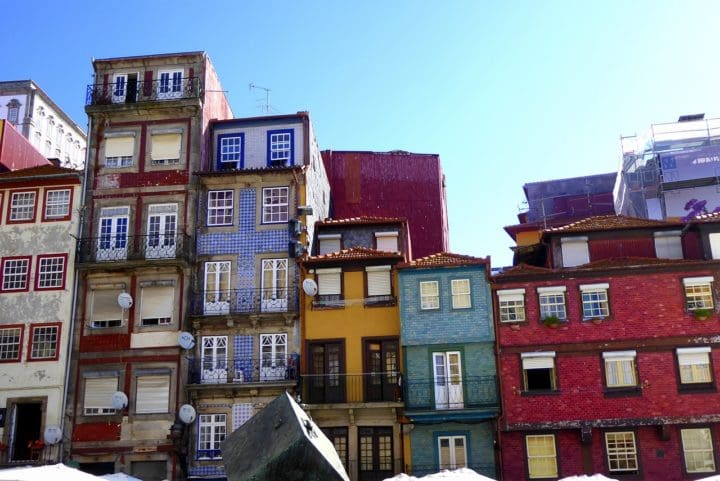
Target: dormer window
[(668, 245), (280, 147), (575, 251), (329, 243), (230, 151), (386, 241)]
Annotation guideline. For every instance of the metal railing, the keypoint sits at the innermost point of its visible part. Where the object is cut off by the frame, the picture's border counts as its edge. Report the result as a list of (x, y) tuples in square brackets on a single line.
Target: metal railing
[(239, 370), (451, 393), (349, 388), (33, 455), (243, 301), (132, 92), (121, 248)]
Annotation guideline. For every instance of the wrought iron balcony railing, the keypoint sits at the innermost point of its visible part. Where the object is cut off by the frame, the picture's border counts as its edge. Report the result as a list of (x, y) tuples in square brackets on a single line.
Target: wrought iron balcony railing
[(33, 453), (134, 91), (121, 248), (243, 301), (451, 393), (349, 388), (216, 370)]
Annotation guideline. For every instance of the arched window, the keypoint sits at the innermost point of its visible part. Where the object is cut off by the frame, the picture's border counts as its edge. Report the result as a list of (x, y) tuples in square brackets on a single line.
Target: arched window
[(13, 114)]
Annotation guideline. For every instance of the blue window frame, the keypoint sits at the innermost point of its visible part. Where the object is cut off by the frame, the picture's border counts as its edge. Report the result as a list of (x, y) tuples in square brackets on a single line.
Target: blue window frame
[(280, 147), (230, 151)]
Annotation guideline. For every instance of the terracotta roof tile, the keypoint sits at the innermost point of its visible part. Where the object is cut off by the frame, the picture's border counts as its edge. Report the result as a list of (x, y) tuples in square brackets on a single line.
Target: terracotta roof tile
[(355, 253), (633, 262), (39, 170), (361, 220), (444, 259), (711, 217), (523, 270), (610, 222)]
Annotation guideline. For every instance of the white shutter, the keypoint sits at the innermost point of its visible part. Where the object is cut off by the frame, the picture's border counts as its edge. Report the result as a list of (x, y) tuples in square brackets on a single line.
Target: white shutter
[(329, 243), (119, 146), (105, 305), (715, 244), (693, 355), (387, 241), (329, 283), (538, 360), (668, 245), (99, 391), (574, 251), (508, 295), (153, 394), (165, 146), (378, 281), (157, 302)]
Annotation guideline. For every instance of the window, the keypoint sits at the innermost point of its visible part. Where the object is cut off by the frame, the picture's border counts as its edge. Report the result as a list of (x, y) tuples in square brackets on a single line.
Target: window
[(378, 282), (22, 207), (165, 148), (153, 394), (698, 293), (541, 456), (13, 112), (460, 293), (211, 433), (44, 342), (595, 301), (230, 153), (329, 243), (698, 450), (620, 369), (50, 272), (217, 288), (275, 205), (574, 251), (15, 273), (119, 88), (119, 150), (280, 147), (220, 207), (329, 287), (99, 388), (10, 342), (57, 204), (387, 241), (621, 452), (274, 284), (448, 382), (694, 365), (668, 245), (512, 305), (170, 84), (273, 357), (452, 452), (375, 452), (50, 127), (113, 233), (714, 239), (156, 304), (105, 311), (552, 302), (429, 295), (539, 371), (339, 438)]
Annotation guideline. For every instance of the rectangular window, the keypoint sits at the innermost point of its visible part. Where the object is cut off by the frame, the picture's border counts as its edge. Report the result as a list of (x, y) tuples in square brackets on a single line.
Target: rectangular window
[(50, 272), (165, 148), (378, 282), (22, 207), (541, 456), (575, 251), (153, 394), (452, 452), (512, 305), (339, 438), (230, 153), (105, 311), (460, 293), (620, 369), (595, 301), (275, 205), (44, 342), (387, 241), (698, 293), (329, 287), (280, 147), (15, 273), (220, 207), (119, 88), (668, 245), (156, 305), (694, 365), (552, 302), (539, 371), (211, 433), (429, 295), (98, 395), (698, 450), (57, 204), (170, 84), (119, 151), (375, 452), (329, 243), (621, 452), (10, 342)]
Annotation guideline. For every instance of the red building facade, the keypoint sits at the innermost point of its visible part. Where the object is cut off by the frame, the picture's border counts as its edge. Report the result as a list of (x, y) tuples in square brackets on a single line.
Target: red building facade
[(609, 362)]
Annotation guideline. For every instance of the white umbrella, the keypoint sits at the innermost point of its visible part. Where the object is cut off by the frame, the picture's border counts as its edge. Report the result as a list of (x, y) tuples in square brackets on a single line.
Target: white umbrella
[(120, 477), (585, 477), (54, 472), (462, 474), (711, 478)]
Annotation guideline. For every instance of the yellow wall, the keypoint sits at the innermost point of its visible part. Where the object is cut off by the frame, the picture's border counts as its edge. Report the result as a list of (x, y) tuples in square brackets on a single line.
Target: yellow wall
[(527, 238)]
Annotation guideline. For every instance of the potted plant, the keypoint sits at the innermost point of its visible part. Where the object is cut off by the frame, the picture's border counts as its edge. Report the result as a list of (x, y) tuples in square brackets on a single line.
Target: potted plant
[(702, 314), (553, 322)]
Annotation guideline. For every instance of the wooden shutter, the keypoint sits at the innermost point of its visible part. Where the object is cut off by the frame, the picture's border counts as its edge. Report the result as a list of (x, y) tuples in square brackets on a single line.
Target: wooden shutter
[(153, 394), (148, 83)]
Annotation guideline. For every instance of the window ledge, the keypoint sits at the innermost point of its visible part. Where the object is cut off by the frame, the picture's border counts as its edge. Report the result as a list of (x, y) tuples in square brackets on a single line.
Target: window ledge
[(613, 392), (380, 301), (699, 388), (555, 392)]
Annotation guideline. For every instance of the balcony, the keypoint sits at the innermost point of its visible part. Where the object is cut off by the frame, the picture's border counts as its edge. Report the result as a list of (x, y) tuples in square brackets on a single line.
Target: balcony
[(124, 248), (142, 91), (351, 388), (243, 301), (243, 370), (34, 453), (477, 392)]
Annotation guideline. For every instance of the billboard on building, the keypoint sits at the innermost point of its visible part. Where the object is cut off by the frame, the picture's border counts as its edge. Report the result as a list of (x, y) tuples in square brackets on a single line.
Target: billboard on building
[(691, 164), (689, 202)]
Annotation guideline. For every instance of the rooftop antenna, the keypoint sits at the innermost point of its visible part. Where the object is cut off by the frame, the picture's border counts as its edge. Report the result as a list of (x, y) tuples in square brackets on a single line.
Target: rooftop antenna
[(266, 106)]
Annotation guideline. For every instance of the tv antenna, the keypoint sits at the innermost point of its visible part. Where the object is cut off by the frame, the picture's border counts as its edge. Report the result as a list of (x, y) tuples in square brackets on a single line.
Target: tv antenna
[(266, 106)]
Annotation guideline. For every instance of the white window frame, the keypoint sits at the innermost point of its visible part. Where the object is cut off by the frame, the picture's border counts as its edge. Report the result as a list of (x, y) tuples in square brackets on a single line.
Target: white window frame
[(698, 293), (461, 296), (44, 342), (668, 245), (101, 402), (280, 148), (452, 462), (620, 457), (575, 251), (119, 161), (57, 209), (10, 343), (22, 206), (15, 274), (699, 454), (50, 272), (620, 369), (174, 87), (595, 302), (220, 207), (230, 149), (119, 88), (552, 302), (166, 306), (511, 305), (212, 429), (95, 323), (165, 155), (275, 204), (541, 464), (539, 360), (694, 365), (429, 295)]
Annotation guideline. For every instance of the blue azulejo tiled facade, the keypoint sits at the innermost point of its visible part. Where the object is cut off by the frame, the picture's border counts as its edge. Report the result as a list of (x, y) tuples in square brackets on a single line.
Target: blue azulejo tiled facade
[(450, 385)]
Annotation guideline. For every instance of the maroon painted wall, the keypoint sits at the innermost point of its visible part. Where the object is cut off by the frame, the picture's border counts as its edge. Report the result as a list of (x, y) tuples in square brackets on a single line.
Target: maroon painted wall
[(15, 151), (392, 184)]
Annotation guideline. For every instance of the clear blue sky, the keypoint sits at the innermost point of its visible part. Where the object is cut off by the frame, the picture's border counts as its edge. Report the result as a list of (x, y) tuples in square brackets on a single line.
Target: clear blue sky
[(506, 92)]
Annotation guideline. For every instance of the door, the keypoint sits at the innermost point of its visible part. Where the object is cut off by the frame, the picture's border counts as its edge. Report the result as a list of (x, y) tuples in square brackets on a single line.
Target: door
[(24, 430), (214, 359), (273, 357), (119, 88), (161, 231), (381, 361), (274, 285), (326, 384), (376, 453), (132, 88), (113, 234), (448, 380), (217, 288), (170, 85)]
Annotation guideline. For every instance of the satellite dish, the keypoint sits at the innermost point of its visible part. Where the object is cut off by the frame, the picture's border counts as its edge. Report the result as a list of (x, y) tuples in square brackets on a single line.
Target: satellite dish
[(119, 400), (187, 413), (310, 287), (52, 435), (186, 340), (125, 300)]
